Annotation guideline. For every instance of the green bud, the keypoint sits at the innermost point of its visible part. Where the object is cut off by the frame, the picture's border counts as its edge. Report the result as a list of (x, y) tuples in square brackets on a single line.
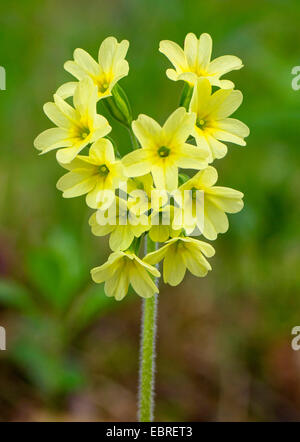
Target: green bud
[(182, 178), (186, 96), (119, 106)]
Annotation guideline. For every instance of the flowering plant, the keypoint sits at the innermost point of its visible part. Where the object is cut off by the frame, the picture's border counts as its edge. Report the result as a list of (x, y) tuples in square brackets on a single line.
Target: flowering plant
[(150, 194)]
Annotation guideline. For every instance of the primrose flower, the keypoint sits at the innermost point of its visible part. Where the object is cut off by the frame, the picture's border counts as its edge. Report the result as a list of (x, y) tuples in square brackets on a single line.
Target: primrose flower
[(217, 202), (77, 127), (179, 254), (92, 174), (111, 67), (212, 122), (164, 149), (195, 61), (122, 269), (122, 224)]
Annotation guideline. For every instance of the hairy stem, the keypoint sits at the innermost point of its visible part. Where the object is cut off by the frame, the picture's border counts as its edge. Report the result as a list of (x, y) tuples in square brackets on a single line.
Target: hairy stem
[(147, 352)]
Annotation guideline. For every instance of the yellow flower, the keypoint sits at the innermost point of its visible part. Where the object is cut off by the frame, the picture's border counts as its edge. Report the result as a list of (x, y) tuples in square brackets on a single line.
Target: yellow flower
[(122, 269), (92, 174), (212, 122), (164, 149), (195, 61), (180, 254), (217, 202), (111, 67), (77, 127), (121, 223)]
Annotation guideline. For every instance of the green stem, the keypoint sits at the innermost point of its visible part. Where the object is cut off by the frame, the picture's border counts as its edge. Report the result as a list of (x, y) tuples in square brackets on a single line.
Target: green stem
[(147, 352), (135, 143)]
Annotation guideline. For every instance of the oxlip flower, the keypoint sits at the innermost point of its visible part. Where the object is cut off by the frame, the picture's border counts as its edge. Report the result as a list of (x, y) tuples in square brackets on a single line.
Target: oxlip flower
[(76, 126), (111, 67), (164, 149), (179, 254), (93, 174), (194, 61), (122, 269), (212, 125), (120, 222), (217, 201)]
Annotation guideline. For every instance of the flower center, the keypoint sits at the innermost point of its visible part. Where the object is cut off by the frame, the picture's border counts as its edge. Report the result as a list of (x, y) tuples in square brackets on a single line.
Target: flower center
[(163, 151), (84, 133), (103, 87), (200, 123), (103, 170)]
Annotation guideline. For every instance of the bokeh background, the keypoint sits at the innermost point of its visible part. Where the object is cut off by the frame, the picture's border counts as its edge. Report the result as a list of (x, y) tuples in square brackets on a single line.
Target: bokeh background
[(224, 342)]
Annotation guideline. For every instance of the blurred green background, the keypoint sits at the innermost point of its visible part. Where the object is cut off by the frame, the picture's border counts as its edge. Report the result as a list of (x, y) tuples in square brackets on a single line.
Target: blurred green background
[(224, 342)]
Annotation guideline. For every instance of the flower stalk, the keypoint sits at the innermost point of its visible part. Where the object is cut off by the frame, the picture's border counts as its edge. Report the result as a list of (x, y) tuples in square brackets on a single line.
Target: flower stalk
[(147, 352)]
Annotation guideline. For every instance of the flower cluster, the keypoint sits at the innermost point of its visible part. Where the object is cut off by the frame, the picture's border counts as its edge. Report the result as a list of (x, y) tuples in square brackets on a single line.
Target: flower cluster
[(151, 191)]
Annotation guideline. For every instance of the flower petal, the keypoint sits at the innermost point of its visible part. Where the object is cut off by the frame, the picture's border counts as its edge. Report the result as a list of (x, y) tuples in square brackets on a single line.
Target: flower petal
[(102, 151), (191, 49), (86, 62), (157, 255), (136, 163), (76, 183), (201, 97), (118, 285), (228, 105), (173, 268), (178, 126), (147, 130), (218, 149), (121, 238), (67, 90), (159, 233), (204, 51), (66, 109), (108, 269), (192, 157), (68, 154), (56, 116), (174, 53), (224, 64), (74, 69), (235, 127), (226, 199), (52, 139), (196, 263), (141, 282), (217, 218), (204, 179), (165, 176), (111, 53), (99, 229), (85, 97)]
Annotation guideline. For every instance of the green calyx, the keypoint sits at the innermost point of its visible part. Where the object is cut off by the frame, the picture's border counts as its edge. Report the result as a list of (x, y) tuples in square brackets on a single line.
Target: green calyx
[(118, 106)]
